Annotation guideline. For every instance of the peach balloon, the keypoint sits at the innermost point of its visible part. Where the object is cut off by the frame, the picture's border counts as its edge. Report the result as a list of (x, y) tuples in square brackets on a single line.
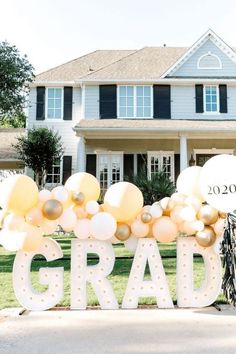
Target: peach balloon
[(164, 229), (123, 200), (48, 227), (82, 229), (86, 183), (80, 212), (34, 217), (175, 215), (19, 194), (67, 220), (139, 229), (219, 227), (32, 238)]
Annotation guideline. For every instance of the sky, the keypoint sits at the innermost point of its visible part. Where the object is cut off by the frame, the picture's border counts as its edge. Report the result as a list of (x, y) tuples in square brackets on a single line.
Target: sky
[(52, 32)]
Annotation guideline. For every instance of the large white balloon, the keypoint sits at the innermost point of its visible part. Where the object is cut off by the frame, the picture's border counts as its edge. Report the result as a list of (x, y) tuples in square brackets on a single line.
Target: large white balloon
[(103, 226), (218, 182), (188, 182)]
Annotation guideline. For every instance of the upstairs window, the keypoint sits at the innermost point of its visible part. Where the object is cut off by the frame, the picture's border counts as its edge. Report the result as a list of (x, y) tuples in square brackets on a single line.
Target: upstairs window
[(211, 99), (54, 108), (135, 102), (209, 61)]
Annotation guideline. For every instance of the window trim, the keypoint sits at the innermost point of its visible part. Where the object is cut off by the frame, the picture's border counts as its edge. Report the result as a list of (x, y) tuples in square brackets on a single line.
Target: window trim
[(213, 151), (61, 175), (62, 105), (209, 67), (109, 153), (217, 100), (161, 154), (134, 101)]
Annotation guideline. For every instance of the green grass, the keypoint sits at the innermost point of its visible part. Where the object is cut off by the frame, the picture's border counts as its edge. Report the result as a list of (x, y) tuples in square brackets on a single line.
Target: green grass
[(118, 277)]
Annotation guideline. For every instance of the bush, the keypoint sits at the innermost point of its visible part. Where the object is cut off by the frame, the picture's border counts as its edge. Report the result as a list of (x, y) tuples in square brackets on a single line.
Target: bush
[(154, 189)]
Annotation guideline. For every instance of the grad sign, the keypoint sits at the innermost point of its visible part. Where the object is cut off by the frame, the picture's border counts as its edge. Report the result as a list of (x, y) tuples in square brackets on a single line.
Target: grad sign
[(191, 216)]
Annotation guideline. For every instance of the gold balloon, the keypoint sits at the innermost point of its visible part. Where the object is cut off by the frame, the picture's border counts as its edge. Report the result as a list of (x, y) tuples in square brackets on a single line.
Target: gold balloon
[(52, 209), (222, 215), (146, 217), (208, 215), (78, 198), (206, 237), (122, 232)]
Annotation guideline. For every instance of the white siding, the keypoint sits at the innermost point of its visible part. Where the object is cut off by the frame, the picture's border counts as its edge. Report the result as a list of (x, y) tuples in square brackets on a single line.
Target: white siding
[(183, 104), (91, 102), (190, 69), (64, 128)]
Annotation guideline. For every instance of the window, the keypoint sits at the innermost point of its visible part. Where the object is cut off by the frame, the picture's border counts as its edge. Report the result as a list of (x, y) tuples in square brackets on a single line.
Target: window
[(109, 169), (54, 103), (135, 101), (211, 99), (161, 161), (54, 174), (209, 61)]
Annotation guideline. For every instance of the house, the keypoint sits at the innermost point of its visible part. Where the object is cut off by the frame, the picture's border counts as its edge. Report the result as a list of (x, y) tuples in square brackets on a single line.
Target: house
[(155, 108)]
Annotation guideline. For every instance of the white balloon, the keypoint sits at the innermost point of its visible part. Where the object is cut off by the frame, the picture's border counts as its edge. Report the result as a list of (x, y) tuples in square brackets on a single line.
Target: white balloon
[(156, 210), (44, 195), (82, 229), (218, 182), (11, 240), (103, 226), (60, 193), (131, 244), (67, 220), (92, 207)]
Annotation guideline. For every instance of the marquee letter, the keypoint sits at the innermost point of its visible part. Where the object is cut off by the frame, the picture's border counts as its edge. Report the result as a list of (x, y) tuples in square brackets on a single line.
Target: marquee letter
[(95, 274), (187, 296), (27, 296), (147, 250)]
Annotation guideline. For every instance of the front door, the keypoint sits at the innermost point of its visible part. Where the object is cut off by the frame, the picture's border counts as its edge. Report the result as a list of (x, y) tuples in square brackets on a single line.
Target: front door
[(109, 169)]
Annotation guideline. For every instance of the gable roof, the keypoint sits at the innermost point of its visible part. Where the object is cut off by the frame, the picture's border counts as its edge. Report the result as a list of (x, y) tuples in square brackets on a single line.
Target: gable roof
[(77, 68), (206, 36)]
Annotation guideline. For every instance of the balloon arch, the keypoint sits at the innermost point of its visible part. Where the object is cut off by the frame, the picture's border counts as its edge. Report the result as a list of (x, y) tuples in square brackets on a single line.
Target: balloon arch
[(196, 216)]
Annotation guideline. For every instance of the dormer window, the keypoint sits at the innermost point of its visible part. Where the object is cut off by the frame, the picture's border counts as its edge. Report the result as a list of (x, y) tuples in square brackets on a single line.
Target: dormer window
[(209, 61)]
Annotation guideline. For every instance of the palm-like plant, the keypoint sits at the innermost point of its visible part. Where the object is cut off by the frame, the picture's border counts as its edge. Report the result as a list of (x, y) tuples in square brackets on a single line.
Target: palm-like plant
[(154, 188)]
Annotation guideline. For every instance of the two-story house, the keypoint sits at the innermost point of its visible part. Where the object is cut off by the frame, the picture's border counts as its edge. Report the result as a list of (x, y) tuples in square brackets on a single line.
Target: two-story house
[(157, 108)]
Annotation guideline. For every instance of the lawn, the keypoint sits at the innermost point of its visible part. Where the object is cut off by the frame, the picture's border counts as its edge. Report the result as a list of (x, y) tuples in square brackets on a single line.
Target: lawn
[(118, 278)]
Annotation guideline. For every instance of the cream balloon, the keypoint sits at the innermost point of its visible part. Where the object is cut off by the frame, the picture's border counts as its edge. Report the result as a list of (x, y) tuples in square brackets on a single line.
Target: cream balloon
[(193, 202), (61, 194), (19, 194), (175, 214), (123, 200), (219, 227), (217, 182), (92, 207), (103, 226), (32, 238), (34, 217), (164, 229), (188, 213), (178, 198), (85, 183), (67, 220), (188, 182), (13, 221), (82, 229)]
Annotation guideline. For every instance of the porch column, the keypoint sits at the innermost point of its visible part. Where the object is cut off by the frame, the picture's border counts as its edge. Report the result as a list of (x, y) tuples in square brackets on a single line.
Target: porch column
[(183, 152), (81, 157)]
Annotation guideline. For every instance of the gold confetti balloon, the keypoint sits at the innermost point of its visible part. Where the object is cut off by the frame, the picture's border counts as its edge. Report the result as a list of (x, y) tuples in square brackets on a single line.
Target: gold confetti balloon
[(146, 217), (206, 237), (78, 198), (52, 209), (122, 232)]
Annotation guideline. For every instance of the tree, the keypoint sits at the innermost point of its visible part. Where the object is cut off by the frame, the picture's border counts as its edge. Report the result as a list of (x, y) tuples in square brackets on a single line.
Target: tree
[(14, 121), (16, 73), (39, 150)]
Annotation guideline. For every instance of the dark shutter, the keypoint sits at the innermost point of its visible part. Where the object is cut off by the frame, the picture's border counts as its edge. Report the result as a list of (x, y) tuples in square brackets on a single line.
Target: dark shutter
[(161, 101), (107, 101), (40, 104), (68, 94), (141, 163), (177, 166), (67, 168), (199, 98), (223, 99), (91, 162), (128, 165)]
